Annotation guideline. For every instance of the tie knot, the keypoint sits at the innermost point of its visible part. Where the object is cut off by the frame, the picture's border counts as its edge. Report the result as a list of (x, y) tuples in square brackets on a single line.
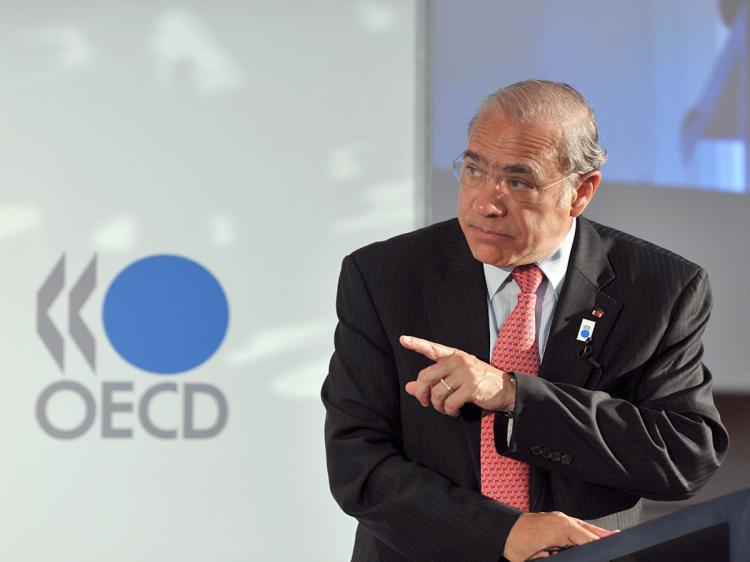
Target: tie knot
[(528, 277)]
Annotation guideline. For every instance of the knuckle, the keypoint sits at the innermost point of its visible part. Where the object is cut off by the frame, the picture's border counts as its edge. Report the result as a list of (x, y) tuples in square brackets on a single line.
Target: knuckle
[(451, 408)]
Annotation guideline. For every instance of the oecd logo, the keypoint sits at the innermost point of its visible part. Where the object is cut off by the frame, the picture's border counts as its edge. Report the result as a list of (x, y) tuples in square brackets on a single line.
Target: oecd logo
[(164, 315)]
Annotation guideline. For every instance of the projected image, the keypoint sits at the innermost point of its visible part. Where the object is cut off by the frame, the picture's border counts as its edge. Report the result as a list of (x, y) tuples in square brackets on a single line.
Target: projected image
[(670, 86), (716, 131)]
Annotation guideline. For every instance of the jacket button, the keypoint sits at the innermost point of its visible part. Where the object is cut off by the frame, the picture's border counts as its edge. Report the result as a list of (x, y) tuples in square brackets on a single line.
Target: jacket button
[(566, 459), (556, 456), (536, 450), (546, 453)]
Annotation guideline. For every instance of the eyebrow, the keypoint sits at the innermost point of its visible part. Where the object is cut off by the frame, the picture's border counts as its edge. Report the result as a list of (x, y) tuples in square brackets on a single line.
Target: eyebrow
[(508, 168), (475, 156), (518, 169)]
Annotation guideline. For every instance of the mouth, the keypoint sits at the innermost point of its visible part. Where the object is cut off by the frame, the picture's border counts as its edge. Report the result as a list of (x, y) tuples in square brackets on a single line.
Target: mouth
[(486, 233)]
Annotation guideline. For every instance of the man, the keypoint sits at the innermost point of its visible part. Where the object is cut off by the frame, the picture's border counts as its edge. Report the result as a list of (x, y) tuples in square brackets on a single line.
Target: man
[(500, 379)]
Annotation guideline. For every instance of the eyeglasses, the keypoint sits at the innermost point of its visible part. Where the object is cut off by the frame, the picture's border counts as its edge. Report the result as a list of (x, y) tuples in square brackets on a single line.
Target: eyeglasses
[(519, 188)]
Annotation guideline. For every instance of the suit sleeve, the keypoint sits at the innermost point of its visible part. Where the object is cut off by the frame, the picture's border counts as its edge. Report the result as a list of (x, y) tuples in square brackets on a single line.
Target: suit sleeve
[(414, 510), (662, 444)]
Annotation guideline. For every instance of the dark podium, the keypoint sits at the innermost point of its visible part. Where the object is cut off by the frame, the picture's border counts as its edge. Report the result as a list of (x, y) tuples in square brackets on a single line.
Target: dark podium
[(716, 531)]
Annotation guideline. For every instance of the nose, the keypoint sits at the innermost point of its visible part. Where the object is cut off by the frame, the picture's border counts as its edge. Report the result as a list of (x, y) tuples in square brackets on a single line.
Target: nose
[(490, 200)]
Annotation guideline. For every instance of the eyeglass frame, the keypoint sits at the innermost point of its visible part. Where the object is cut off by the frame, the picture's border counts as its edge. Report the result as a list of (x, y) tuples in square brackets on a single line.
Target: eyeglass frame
[(457, 167)]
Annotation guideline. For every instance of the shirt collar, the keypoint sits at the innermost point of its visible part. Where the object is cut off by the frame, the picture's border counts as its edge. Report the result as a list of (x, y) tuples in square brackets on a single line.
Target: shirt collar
[(553, 266)]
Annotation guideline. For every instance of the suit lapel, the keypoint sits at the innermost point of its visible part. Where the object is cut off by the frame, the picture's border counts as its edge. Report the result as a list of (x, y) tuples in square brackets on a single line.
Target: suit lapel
[(566, 360), (455, 298)]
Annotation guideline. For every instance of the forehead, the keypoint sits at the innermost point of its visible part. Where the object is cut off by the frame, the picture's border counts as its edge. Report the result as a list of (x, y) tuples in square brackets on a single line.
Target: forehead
[(500, 142)]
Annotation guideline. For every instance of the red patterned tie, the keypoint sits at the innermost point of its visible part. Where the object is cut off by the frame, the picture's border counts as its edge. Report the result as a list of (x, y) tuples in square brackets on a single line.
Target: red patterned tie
[(504, 479)]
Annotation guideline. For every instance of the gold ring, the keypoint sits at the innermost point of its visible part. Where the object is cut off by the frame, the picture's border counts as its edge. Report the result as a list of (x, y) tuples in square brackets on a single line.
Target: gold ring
[(446, 385)]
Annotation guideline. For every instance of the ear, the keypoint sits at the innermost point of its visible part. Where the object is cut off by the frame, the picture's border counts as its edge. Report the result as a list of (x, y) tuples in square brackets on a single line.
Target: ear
[(584, 193)]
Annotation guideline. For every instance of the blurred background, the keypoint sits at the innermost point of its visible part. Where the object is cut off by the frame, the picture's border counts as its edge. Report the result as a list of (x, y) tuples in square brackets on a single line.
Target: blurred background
[(264, 141)]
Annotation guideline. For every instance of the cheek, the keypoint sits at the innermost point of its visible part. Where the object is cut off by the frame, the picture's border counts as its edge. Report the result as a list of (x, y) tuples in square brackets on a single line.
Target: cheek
[(535, 226), (463, 204), (530, 225), (543, 228)]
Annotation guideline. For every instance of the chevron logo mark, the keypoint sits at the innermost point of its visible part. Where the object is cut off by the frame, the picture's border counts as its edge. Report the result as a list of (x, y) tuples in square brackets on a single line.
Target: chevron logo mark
[(77, 296)]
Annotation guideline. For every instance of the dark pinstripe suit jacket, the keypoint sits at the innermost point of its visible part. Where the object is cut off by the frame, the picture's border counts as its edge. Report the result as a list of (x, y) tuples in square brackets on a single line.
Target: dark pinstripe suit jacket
[(630, 416)]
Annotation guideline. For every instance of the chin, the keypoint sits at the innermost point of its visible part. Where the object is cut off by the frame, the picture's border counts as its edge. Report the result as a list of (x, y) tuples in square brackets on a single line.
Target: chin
[(491, 256)]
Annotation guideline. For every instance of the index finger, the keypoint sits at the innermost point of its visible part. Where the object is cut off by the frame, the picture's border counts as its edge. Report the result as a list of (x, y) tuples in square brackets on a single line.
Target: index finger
[(431, 350), (580, 535), (598, 531)]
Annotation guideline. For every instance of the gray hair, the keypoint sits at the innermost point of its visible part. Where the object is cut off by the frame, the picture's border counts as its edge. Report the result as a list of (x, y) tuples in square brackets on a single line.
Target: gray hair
[(560, 105)]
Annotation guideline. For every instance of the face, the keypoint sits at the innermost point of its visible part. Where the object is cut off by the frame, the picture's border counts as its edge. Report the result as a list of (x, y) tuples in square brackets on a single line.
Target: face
[(504, 232)]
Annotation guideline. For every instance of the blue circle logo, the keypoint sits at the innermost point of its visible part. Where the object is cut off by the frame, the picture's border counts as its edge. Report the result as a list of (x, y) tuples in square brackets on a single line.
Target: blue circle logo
[(585, 333), (165, 314)]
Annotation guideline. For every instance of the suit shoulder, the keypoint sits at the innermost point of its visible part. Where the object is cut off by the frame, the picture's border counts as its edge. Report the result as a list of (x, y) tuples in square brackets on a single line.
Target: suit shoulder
[(640, 252), (411, 249)]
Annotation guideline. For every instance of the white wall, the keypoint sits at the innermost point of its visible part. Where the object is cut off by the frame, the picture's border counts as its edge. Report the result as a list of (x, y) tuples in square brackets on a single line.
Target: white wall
[(264, 140)]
